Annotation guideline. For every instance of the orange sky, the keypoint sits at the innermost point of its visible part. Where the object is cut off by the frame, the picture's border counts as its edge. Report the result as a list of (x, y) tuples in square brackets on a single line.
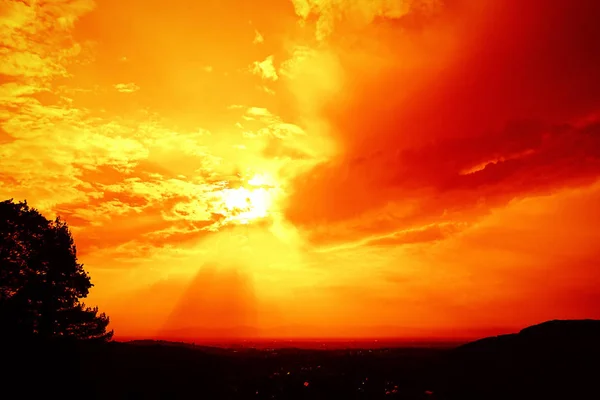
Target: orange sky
[(313, 167)]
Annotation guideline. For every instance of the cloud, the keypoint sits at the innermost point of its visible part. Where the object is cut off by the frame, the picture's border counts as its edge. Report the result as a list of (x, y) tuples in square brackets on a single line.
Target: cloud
[(258, 38), (36, 38), (407, 131), (424, 234), (270, 125), (358, 12), (258, 112), (265, 69), (127, 87)]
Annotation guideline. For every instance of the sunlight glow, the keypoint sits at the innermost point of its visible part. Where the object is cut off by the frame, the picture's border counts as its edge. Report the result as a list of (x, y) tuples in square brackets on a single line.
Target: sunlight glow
[(245, 204), (327, 168)]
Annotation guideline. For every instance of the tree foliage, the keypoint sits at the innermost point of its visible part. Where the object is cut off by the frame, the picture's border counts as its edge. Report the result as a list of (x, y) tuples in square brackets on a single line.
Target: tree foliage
[(41, 281)]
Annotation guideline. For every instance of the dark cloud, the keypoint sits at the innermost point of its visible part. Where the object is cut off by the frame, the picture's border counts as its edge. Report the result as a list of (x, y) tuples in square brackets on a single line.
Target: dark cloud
[(427, 234), (506, 107)]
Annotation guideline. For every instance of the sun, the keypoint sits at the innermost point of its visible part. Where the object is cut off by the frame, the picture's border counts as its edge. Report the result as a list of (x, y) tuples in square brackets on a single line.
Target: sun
[(245, 204)]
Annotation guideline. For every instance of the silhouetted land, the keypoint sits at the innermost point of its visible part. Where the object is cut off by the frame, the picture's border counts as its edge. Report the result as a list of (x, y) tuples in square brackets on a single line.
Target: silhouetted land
[(54, 346), (554, 360)]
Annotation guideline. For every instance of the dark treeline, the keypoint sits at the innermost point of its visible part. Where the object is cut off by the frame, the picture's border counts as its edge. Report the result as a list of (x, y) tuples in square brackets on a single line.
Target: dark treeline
[(41, 281)]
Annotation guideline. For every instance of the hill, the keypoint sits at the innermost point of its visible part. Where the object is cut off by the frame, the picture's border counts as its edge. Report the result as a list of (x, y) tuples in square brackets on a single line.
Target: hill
[(554, 359)]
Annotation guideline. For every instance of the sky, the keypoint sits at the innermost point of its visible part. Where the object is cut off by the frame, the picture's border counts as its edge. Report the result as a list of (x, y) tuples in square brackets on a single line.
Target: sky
[(313, 168)]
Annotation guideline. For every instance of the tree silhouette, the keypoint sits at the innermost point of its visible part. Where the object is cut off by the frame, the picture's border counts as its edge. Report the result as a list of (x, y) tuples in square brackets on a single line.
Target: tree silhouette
[(41, 282)]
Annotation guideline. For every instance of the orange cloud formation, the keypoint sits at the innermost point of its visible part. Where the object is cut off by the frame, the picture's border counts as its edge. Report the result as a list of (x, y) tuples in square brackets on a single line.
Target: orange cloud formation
[(313, 167)]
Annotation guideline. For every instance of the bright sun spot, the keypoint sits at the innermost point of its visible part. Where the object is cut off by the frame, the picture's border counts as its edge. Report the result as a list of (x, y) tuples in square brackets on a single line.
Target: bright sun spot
[(245, 204)]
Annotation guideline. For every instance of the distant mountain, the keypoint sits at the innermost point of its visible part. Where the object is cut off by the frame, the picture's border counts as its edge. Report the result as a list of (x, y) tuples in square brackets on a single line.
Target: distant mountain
[(583, 329), (210, 334), (553, 334), (150, 342), (312, 332)]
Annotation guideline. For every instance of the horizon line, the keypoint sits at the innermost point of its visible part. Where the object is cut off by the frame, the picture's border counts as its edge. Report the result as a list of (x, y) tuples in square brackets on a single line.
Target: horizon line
[(190, 339)]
